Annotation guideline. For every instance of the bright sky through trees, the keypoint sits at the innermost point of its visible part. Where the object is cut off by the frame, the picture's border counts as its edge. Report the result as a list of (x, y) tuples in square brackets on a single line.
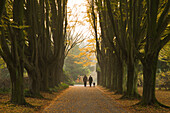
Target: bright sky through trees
[(77, 11)]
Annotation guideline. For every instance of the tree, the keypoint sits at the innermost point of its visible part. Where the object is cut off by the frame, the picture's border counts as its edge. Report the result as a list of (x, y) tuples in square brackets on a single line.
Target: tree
[(13, 52), (31, 50), (157, 36), (2, 2), (75, 65)]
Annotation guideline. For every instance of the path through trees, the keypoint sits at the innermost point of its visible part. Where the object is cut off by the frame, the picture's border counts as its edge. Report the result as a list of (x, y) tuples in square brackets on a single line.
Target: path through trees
[(80, 99), (129, 35)]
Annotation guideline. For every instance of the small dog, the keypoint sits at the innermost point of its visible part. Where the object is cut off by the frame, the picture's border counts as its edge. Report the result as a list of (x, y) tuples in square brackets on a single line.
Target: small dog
[(94, 84)]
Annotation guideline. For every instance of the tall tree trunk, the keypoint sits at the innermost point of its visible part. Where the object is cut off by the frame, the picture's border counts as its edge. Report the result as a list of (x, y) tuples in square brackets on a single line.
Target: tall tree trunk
[(98, 78), (156, 27), (115, 69), (108, 70), (98, 70), (17, 93), (34, 77), (149, 73), (2, 2), (120, 77), (130, 79), (44, 74), (16, 72), (104, 73), (31, 61), (131, 82), (52, 76)]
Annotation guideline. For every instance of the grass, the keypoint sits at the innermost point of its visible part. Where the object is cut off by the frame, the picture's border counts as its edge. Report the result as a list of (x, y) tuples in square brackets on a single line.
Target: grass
[(162, 96)]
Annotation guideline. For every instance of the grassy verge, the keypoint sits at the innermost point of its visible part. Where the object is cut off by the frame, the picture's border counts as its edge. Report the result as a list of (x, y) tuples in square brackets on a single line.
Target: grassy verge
[(162, 96), (39, 104)]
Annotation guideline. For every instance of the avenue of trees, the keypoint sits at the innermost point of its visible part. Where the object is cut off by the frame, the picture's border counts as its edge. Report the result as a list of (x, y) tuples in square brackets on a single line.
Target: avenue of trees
[(34, 38), (129, 33)]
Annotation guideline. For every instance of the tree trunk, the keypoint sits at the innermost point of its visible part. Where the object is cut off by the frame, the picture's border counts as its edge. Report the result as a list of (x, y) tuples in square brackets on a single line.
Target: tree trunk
[(108, 71), (120, 77), (98, 70), (52, 76), (35, 79), (35, 87), (44, 73), (130, 79), (17, 50), (2, 2), (17, 94), (115, 73), (149, 74), (98, 77), (131, 92), (104, 74)]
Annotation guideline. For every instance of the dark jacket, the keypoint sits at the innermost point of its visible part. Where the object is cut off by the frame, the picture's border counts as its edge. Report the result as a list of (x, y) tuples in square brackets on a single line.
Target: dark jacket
[(85, 78), (90, 79)]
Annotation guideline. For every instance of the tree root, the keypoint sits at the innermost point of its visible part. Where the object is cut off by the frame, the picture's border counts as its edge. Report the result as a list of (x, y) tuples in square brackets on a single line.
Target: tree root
[(30, 94), (117, 93), (131, 97), (154, 104)]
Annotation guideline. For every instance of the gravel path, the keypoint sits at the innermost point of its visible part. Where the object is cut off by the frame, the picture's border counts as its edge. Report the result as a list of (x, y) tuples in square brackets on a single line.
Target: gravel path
[(79, 99)]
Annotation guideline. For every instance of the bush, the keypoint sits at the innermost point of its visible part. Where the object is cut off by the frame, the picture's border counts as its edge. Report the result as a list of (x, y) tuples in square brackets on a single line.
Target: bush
[(59, 88), (5, 90), (63, 86), (70, 83)]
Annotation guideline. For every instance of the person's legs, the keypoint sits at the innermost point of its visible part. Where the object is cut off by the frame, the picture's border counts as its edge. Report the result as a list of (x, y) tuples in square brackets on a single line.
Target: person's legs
[(84, 84)]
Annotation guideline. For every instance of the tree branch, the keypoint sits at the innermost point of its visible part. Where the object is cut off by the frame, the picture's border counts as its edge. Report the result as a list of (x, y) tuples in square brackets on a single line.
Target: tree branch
[(163, 15), (164, 41)]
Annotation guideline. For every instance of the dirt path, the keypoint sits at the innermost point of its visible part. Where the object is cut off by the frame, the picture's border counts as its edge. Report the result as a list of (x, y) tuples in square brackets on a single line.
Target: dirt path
[(79, 99)]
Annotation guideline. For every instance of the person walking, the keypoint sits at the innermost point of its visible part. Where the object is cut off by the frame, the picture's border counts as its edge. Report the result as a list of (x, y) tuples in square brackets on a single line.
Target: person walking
[(90, 80), (85, 80)]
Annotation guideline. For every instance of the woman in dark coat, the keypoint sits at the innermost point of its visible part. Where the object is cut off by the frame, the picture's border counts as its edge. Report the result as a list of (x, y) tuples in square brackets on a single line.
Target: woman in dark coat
[(90, 80), (85, 80)]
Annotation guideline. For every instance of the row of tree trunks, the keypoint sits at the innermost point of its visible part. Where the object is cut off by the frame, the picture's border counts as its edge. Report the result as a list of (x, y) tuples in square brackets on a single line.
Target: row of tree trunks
[(131, 30), (110, 66), (31, 63), (34, 50)]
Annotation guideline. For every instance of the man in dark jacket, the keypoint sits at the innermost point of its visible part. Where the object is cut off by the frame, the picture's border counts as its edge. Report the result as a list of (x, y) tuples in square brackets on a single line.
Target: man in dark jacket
[(85, 80), (90, 80)]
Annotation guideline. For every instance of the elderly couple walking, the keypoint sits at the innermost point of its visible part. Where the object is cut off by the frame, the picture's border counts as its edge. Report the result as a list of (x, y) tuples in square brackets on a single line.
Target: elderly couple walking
[(85, 80)]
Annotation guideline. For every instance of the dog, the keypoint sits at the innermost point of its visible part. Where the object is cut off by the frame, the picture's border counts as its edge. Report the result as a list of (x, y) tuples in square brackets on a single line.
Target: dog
[(93, 84)]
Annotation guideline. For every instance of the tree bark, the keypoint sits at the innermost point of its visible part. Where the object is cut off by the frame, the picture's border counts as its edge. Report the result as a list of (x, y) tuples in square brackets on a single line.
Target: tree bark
[(44, 75), (149, 73), (17, 93), (31, 61), (2, 2), (120, 77), (16, 72), (131, 92)]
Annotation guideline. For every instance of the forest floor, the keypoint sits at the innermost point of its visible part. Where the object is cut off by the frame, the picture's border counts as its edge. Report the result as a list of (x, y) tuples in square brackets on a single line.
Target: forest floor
[(103, 98), (39, 104), (162, 96)]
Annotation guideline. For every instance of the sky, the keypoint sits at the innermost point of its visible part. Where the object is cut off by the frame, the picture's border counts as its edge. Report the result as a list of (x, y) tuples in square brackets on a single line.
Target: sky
[(77, 11)]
